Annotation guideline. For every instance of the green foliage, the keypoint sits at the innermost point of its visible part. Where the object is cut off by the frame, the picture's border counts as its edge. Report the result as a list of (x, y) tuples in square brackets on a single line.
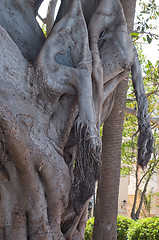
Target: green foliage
[(148, 203), (145, 229), (123, 224), (101, 130), (129, 145), (145, 21), (43, 27), (129, 142), (89, 229), (130, 132)]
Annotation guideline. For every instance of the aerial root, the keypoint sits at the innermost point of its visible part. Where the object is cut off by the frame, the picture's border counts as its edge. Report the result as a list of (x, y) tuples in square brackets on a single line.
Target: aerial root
[(145, 146), (145, 141), (87, 164)]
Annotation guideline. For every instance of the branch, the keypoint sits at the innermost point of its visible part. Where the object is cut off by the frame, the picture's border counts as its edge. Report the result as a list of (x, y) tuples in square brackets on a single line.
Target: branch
[(142, 198), (147, 95), (141, 179), (23, 27), (132, 111), (149, 33), (154, 92), (49, 20), (151, 172), (37, 5)]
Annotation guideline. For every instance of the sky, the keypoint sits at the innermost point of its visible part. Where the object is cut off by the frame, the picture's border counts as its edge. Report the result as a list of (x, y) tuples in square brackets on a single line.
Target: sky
[(151, 51), (43, 8)]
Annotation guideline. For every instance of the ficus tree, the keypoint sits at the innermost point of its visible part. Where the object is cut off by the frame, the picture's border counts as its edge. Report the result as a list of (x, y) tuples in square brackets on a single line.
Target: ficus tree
[(54, 95)]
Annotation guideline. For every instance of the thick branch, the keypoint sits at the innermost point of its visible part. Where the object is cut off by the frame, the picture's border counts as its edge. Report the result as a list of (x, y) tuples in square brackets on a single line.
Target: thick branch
[(20, 23)]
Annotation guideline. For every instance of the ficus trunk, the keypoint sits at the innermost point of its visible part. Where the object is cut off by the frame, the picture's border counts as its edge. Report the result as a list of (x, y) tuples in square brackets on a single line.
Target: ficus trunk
[(54, 95)]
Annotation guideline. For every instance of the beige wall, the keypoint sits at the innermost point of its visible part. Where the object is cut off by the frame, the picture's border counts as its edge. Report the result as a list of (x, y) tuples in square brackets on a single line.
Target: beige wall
[(127, 190), (123, 196)]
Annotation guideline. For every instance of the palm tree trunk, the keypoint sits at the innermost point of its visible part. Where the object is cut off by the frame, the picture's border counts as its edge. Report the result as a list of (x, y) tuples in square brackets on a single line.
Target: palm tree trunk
[(107, 195)]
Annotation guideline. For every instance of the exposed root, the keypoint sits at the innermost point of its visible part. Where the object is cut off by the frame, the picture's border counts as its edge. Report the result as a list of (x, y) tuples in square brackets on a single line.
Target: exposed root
[(75, 224)]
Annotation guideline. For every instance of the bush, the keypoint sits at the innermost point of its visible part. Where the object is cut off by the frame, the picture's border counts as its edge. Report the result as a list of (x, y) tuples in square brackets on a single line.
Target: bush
[(123, 224), (145, 229), (89, 229)]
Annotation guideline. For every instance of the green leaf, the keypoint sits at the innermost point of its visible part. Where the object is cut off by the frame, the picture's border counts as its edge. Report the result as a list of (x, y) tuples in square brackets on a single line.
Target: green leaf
[(144, 39), (134, 34), (149, 40)]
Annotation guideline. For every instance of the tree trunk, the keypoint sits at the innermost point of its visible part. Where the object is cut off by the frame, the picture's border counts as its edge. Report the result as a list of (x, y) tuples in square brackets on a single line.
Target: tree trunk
[(54, 95), (107, 196)]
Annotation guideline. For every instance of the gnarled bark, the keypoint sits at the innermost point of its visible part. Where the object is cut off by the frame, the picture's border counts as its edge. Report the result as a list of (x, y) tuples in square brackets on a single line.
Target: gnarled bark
[(54, 95)]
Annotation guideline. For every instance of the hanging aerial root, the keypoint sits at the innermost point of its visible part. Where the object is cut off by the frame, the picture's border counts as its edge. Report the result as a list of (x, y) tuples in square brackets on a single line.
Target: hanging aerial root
[(87, 164), (145, 141)]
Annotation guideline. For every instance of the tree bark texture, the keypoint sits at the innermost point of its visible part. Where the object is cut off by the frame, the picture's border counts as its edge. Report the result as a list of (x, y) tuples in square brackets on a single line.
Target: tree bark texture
[(107, 195), (54, 95)]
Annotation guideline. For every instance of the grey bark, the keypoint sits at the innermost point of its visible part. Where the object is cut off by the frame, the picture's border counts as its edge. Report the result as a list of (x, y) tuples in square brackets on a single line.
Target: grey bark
[(54, 95), (17, 17), (107, 195)]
